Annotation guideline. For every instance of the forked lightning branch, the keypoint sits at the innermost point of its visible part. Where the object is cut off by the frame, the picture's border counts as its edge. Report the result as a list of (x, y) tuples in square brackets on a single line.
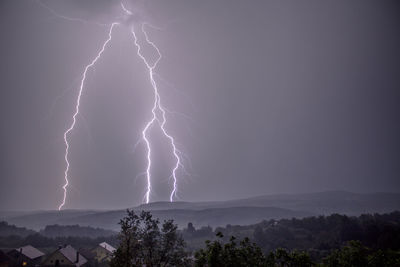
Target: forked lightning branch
[(158, 113)]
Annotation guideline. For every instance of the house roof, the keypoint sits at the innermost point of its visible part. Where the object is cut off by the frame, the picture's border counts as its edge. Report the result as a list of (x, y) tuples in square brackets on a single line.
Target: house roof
[(70, 253), (107, 246), (30, 252), (87, 253)]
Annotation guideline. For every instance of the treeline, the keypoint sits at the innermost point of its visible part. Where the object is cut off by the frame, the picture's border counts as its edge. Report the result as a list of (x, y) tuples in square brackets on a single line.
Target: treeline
[(317, 235), (244, 253), (326, 233), (327, 240), (7, 229), (39, 241), (75, 230), (12, 236), (144, 241)]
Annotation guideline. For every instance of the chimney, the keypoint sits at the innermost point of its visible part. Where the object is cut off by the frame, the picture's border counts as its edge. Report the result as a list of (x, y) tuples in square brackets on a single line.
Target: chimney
[(77, 257), (20, 255)]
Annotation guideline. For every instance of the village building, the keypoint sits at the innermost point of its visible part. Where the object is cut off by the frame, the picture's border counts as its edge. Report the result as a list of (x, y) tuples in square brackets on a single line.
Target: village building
[(65, 256), (103, 252), (88, 255), (26, 256)]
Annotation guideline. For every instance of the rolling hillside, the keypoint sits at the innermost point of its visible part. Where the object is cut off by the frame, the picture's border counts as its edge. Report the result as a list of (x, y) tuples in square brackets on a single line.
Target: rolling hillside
[(235, 212)]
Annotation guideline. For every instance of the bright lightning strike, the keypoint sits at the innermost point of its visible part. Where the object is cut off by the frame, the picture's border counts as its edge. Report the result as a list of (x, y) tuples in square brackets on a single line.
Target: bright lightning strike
[(125, 9), (78, 100), (157, 107)]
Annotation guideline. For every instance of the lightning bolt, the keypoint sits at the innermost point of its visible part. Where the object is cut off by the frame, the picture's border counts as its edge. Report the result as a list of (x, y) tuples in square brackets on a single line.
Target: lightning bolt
[(78, 100), (125, 9), (157, 108)]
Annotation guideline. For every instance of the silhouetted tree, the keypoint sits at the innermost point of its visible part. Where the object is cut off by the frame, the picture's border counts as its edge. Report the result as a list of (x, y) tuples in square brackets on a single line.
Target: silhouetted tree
[(190, 228), (144, 243), (229, 254)]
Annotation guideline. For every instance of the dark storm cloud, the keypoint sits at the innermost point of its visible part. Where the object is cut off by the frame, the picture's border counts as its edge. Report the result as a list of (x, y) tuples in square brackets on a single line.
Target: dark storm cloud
[(283, 96)]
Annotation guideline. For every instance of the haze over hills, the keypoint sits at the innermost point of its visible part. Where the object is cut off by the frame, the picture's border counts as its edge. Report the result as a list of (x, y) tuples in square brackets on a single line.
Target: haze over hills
[(219, 213), (317, 203)]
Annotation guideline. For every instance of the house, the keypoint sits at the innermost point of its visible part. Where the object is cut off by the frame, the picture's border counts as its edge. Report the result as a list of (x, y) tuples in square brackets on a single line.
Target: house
[(89, 256), (65, 256), (5, 261), (26, 256), (103, 252)]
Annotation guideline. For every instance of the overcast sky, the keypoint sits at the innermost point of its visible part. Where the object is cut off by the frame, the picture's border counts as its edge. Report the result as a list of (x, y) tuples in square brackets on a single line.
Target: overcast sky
[(264, 96)]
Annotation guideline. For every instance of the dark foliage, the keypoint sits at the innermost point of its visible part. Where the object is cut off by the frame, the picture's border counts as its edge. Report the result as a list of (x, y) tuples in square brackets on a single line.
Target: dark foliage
[(245, 253), (314, 241), (356, 255), (317, 235), (144, 243), (232, 253)]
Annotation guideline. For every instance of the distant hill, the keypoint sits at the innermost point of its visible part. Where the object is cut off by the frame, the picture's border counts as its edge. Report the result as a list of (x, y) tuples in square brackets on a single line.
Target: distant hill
[(7, 230), (321, 203), (212, 217), (38, 220), (220, 213), (325, 203), (110, 219)]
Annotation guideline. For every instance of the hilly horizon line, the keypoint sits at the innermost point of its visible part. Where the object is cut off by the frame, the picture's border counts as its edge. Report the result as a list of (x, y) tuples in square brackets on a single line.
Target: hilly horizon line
[(168, 203), (219, 213)]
